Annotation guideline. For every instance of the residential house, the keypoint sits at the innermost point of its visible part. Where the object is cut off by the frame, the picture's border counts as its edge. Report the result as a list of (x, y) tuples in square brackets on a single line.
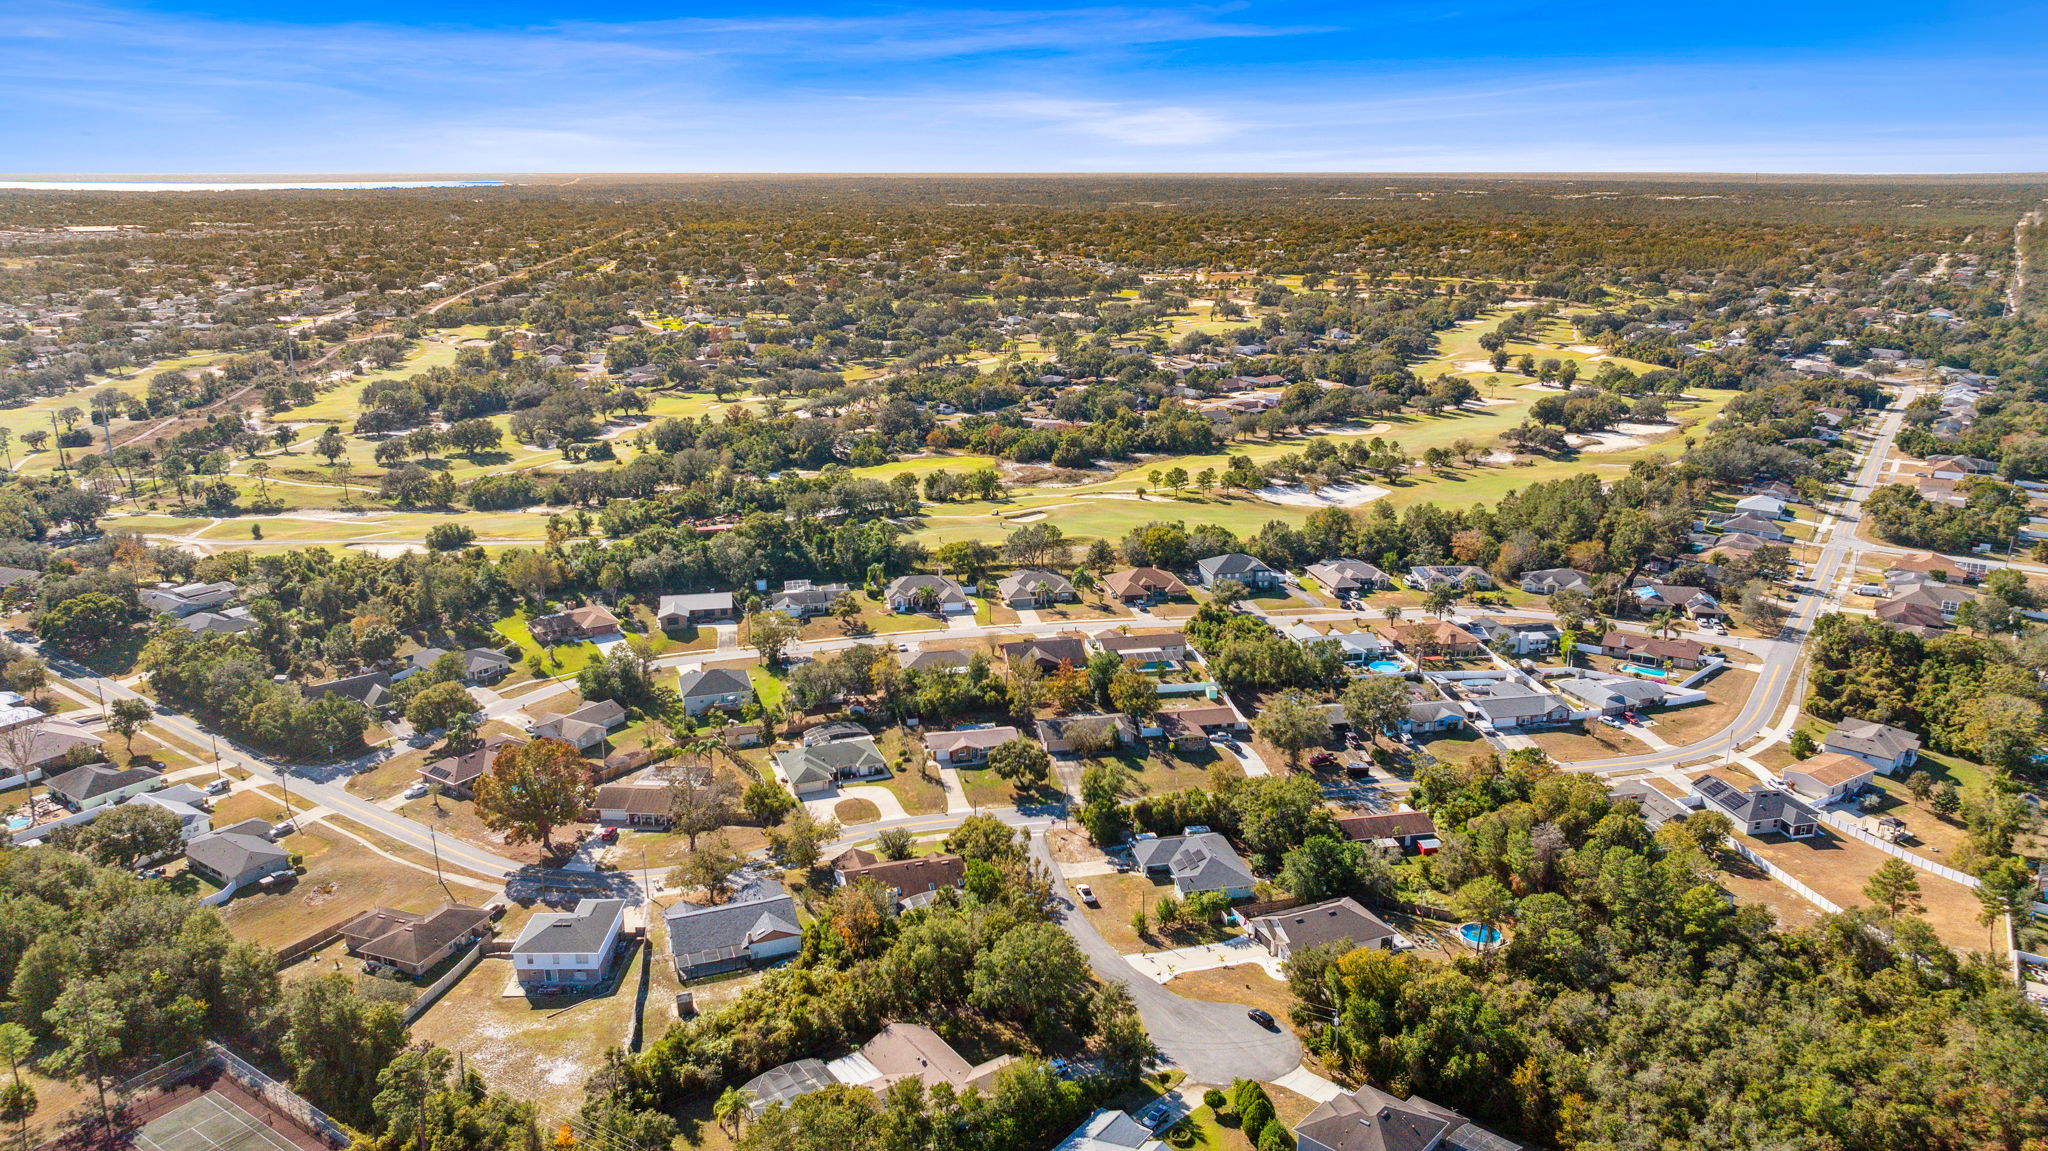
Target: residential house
[(1427, 577), (185, 803), (233, 621), (1776, 489), (1770, 507), (911, 593), (1049, 653), (1401, 828), (1509, 704), (1884, 747), (1519, 637), (1144, 586), (738, 735), (1195, 861), (1035, 588), (1748, 523), (184, 599), (800, 599), (1150, 649), (1959, 467), (1347, 577), (1357, 647), (724, 688), (1738, 544), (1550, 581), (1758, 809), (816, 769), (1657, 808), (908, 1051), (683, 611), (591, 621), (1940, 567), (757, 925), (1431, 716), (479, 664), (1653, 651), (1928, 608), (968, 746), (1108, 1130), (904, 878), (1437, 637), (1240, 567), (101, 785), (573, 947), (237, 854), (1829, 776), (413, 944), (633, 805), (1369, 1119), (1609, 695), (1653, 597), (584, 728), (372, 689), (1192, 727), (1058, 734), (457, 774), (1333, 921), (928, 659), (10, 576)]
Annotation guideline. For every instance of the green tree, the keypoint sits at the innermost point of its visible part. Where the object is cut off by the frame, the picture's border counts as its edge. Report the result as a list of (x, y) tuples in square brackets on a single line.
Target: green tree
[(1484, 900), (984, 837), (709, 868), (1893, 888), (532, 789), (731, 1109), (771, 633), (442, 707), (336, 1042), (124, 836), (1802, 745), (1293, 723), (125, 717), (1020, 761), (1029, 977), (1133, 693), (895, 843), (86, 1020), (2004, 888), (767, 801), (1377, 704), (799, 841), (1325, 867), (18, 1098), (85, 623)]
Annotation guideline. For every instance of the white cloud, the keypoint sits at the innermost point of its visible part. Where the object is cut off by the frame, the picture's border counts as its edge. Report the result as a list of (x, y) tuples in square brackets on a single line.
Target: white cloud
[(1161, 126)]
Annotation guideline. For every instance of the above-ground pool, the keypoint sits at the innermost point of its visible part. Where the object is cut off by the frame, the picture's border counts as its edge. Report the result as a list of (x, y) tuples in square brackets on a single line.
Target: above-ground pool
[(1645, 672), (1478, 936), (1384, 667)]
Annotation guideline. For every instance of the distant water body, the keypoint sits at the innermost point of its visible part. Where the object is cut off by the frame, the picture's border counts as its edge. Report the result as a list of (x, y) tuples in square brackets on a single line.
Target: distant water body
[(184, 186)]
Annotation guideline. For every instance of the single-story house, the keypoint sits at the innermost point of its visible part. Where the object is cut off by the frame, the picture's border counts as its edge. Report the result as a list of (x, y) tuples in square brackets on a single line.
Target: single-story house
[(412, 943), (1767, 506), (1550, 581), (569, 947), (479, 664), (1696, 603), (236, 854), (738, 735), (1756, 525), (1109, 1130), (633, 805), (680, 611), (758, 924), (1509, 704), (1609, 695), (908, 1051), (1333, 921), (801, 599), (1202, 861), (1426, 577), (725, 688), (1404, 828), (1347, 577), (1653, 651), (816, 768), (1658, 808), (968, 745), (372, 689), (905, 593), (101, 785), (584, 728), (1240, 567), (233, 621), (186, 803), (1433, 715), (1057, 734), (590, 621), (931, 659), (1148, 648), (1738, 543), (457, 774), (1035, 588), (903, 877), (1049, 653), (1369, 1119), (1932, 564), (1883, 746), (10, 576), (184, 599), (1192, 727), (1758, 809), (1438, 637), (1829, 776), (1144, 585), (1519, 637)]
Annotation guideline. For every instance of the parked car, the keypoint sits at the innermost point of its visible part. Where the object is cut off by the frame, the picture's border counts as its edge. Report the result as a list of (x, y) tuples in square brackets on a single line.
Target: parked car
[(1633, 717), (1610, 721), (1358, 768), (1262, 1019), (1086, 894), (150, 873), (219, 787), (1322, 759), (608, 835), (418, 789)]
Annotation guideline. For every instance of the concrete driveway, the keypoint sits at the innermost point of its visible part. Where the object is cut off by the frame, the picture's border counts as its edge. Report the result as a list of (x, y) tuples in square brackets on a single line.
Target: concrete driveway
[(1213, 1042)]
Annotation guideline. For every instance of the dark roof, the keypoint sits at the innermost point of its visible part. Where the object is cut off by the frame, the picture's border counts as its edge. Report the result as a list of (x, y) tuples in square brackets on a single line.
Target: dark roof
[(97, 779), (1230, 565), (463, 770), (237, 850), (714, 681), (1755, 804), (581, 931), (632, 798), (697, 934), (415, 942), (1333, 921), (922, 873), (1387, 825), (1054, 650), (371, 689), (1369, 1119)]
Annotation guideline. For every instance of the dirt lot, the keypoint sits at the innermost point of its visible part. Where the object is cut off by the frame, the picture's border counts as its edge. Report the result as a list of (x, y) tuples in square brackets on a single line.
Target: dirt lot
[(343, 878), (1589, 740), (1748, 884), (1726, 693), (540, 1050), (1838, 867)]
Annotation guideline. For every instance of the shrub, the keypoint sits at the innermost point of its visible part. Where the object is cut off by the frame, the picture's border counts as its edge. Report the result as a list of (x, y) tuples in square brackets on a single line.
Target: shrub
[(1213, 1099)]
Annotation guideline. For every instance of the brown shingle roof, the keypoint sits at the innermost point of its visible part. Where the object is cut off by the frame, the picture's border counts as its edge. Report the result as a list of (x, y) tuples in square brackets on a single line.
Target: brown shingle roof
[(1143, 581), (1387, 825), (924, 873)]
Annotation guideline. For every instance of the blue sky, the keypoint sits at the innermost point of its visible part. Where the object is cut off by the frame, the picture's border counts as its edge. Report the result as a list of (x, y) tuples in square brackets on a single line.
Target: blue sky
[(1260, 85)]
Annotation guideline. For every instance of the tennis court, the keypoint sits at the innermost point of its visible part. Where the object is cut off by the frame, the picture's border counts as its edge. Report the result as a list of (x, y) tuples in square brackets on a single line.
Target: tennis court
[(211, 1123)]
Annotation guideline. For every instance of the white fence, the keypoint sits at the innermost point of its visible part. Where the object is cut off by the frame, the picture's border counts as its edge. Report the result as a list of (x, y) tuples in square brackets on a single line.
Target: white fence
[(1779, 874), (1844, 823)]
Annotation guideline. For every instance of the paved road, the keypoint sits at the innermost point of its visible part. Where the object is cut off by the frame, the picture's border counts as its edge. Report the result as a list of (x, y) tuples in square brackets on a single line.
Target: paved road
[(1213, 1042)]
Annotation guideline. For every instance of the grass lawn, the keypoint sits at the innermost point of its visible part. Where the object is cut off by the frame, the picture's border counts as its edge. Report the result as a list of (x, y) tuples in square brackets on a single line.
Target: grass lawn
[(457, 817), (1726, 693), (1586, 740), (539, 1050), (1122, 895), (1748, 884), (852, 811), (768, 684), (919, 793), (1454, 746), (1170, 770), (1208, 1131), (560, 660), (985, 788), (343, 879)]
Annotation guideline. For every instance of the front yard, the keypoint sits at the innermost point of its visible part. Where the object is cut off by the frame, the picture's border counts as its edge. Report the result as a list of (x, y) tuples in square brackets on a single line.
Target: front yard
[(1121, 896), (343, 878), (1726, 693)]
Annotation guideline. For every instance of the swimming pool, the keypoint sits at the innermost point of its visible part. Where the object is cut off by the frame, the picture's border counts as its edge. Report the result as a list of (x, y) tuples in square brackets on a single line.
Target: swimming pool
[(1384, 667), (1478, 936), (19, 823), (1645, 672)]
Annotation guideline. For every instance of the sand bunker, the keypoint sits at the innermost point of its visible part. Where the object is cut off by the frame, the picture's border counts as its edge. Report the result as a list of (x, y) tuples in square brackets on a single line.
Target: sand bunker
[(1375, 430), (1620, 438), (1327, 496), (387, 551)]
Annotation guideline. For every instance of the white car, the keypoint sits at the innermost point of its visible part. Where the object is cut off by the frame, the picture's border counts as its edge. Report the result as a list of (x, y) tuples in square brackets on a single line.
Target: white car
[(1086, 894), (1610, 721), (416, 790)]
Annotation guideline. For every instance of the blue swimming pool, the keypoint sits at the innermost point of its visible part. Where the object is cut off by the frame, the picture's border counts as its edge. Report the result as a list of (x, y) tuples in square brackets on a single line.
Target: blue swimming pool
[(1479, 936), (1384, 667), (19, 823), (1645, 672)]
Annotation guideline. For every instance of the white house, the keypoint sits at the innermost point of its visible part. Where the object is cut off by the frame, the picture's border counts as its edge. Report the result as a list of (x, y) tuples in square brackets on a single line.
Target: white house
[(1882, 746), (1829, 776), (572, 947)]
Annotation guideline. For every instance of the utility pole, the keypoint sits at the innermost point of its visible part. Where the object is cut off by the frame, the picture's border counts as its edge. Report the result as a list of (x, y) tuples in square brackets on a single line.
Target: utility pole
[(217, 773), (435, 843)]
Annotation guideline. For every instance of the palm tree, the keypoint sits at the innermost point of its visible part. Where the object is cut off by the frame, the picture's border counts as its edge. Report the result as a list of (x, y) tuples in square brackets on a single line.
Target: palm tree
[(1666, 623), (732, 1108)]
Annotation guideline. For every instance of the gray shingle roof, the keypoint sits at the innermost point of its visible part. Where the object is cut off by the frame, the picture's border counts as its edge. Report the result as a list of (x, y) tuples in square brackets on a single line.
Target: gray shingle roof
[(578, 932), (714, 681)]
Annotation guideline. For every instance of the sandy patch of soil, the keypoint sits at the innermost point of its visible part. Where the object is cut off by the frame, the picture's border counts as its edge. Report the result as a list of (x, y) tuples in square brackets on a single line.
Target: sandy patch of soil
[(1375, 430), (1620, 438), (387, 551), (1328, 496)]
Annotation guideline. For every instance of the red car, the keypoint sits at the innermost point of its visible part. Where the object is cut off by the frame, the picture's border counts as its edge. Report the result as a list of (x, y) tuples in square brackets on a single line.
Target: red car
[(1322, 759), (608, 835)]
